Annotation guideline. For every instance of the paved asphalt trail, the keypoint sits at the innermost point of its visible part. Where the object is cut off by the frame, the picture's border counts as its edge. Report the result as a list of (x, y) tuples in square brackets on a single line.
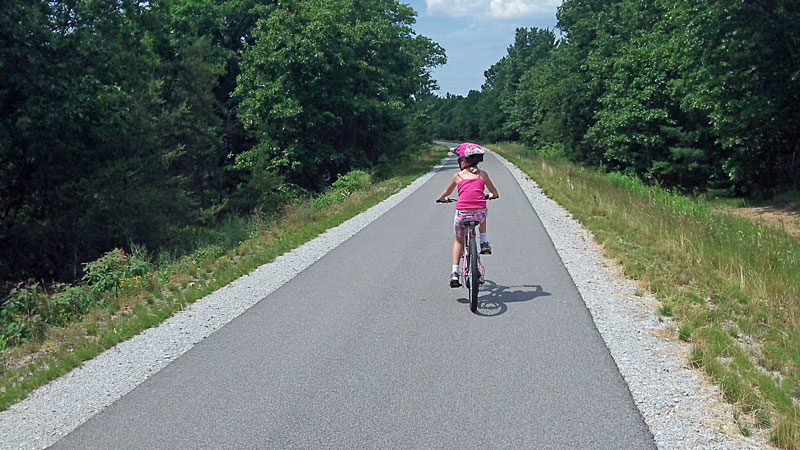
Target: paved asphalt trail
[(370, 348)]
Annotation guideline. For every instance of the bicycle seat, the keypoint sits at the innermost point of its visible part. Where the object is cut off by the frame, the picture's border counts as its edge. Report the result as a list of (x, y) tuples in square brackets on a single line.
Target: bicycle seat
[(471, 223)]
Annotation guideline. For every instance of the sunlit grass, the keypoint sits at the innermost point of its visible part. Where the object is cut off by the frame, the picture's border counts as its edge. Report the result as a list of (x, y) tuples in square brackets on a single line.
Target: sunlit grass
[(732, 285)]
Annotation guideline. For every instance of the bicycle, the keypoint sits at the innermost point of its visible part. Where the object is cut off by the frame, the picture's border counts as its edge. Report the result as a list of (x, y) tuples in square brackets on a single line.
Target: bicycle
[(472, 270)]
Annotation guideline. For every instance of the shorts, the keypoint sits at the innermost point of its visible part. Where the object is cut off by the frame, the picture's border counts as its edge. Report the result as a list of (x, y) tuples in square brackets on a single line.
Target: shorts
[(467, 214)]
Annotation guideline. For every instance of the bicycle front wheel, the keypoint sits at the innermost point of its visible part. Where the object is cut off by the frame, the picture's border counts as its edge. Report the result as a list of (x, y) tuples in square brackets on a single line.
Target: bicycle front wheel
[(474, 275)]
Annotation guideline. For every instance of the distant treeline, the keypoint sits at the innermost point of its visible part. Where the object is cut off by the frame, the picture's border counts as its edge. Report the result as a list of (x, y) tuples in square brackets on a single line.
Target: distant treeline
[(699, 95), (126, 121)]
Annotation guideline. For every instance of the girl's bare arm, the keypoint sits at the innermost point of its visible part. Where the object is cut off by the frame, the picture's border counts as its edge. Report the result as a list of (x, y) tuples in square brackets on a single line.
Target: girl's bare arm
[(489, 185), (448, 189)]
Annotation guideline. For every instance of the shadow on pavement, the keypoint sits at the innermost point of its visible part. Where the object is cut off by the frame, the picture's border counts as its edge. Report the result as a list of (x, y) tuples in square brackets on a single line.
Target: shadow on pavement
[(493, 299)]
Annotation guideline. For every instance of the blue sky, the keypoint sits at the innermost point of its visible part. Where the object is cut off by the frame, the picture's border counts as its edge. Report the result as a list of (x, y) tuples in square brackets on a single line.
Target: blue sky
[(476, 34)]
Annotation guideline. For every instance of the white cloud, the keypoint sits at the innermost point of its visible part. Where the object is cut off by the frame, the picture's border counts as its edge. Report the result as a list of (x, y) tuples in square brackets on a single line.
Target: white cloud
[(454, 8), (508, 9), (495, 9)]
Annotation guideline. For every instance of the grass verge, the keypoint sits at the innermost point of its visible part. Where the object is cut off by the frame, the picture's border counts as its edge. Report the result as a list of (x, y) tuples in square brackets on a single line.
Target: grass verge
[(147, 299), (732, 286)]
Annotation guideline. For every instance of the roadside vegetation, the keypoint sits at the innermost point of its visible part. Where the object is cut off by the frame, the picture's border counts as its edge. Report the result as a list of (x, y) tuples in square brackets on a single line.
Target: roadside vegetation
[(732, 285), (45, 331), (175, 146), (631, 104), (154, 151), (782, 210), (148, 122), (696, 95)]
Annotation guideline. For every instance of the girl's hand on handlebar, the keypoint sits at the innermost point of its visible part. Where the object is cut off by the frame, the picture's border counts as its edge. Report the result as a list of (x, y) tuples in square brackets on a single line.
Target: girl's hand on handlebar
[(490, 197), (444, 200)]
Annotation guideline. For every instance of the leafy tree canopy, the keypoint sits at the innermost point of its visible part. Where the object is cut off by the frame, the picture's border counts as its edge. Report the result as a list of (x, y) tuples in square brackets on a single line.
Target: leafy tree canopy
[(331, 84)]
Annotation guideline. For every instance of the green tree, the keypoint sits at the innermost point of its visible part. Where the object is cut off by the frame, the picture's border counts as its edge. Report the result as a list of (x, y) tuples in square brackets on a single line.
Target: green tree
[(554, 105), (203, 41), (330, 85), (743, 71), (577, 89), (80, 134), (502, 79), (641, 125)]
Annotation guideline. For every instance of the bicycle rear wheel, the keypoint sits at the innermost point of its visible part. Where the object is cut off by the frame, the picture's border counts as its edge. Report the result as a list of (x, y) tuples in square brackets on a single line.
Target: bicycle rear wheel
[(474, 274)]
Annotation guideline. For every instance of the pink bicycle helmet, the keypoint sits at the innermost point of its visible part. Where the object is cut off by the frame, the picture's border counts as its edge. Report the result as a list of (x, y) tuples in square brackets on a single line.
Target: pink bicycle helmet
[(471, 152), (468, 149)]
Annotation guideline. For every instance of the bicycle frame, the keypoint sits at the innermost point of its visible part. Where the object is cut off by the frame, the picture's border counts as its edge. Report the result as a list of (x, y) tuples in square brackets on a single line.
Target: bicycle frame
[(471, 263), (469, 235), (470, 260)]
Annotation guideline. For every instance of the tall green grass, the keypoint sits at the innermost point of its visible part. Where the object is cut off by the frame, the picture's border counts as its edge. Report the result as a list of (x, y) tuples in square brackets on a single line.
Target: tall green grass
[(732, 285)]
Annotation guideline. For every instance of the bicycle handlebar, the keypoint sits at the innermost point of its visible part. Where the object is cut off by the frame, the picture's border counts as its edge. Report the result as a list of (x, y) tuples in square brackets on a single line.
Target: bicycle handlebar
[(451, 200)]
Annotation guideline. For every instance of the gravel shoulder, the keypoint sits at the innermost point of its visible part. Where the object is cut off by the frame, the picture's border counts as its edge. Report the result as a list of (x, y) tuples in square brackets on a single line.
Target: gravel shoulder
[(681, 409)]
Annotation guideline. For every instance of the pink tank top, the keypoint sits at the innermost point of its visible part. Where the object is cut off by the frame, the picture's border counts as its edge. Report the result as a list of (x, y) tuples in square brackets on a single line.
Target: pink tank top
[(470, 193)]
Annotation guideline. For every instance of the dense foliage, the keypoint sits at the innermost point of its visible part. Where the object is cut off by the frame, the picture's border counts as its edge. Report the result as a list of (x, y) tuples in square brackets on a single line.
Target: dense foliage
[(123, 121), (335, 79), (693, 94)]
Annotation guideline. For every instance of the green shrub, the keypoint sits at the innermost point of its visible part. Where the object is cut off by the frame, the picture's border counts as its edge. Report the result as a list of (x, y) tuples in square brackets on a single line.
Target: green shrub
[(352, 181), (107, 272), (21, 315), (63, 307), (344, 187), (201, 254), (28, 311), (138, 261), (553, 150), (74, 301), (628, 183)]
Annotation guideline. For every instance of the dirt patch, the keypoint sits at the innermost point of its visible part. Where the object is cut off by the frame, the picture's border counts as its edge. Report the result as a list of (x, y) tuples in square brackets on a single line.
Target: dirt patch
[(782, 214)]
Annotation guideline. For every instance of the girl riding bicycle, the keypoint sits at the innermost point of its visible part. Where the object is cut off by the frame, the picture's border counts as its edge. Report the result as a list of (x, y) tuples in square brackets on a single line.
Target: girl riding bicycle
[(471, 204)]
